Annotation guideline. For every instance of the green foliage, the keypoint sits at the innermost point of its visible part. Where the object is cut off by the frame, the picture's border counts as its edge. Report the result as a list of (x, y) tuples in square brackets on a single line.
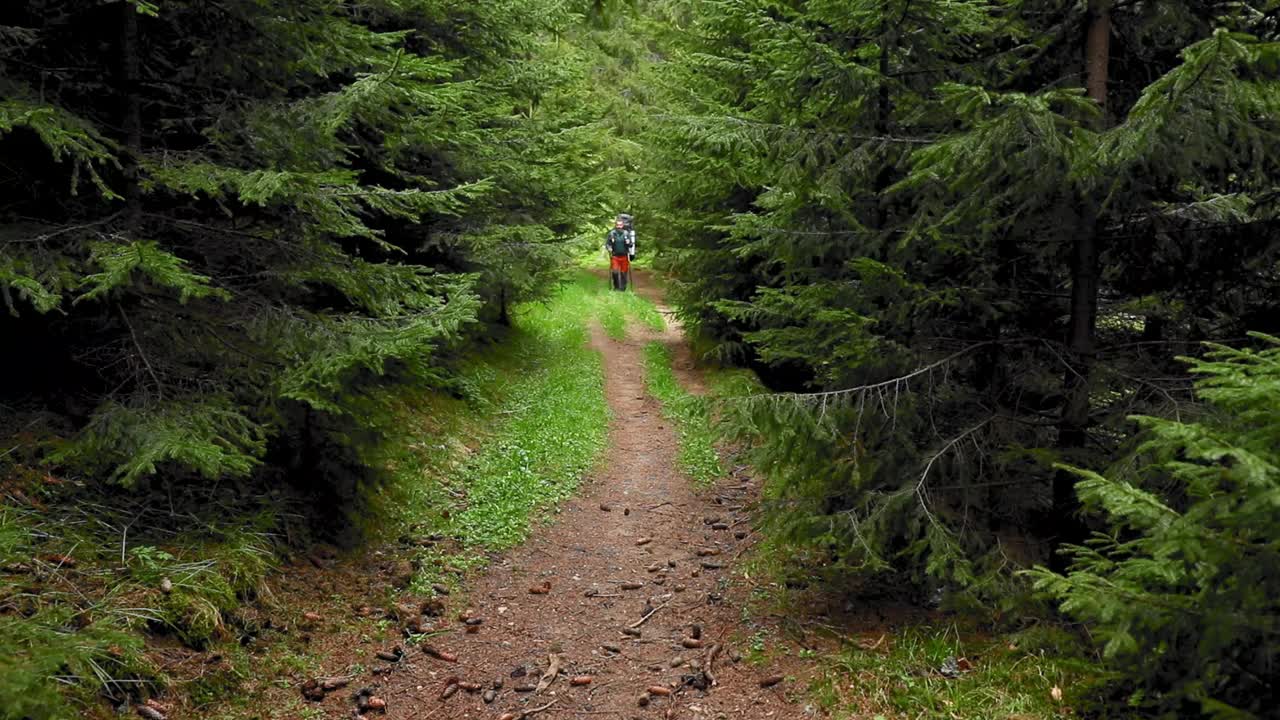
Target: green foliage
[(698, 457), (292, 207), (212, 440), (66, 136), (118, 263), (1181, 589), (901, 677), (878, 205), (556, 432), (52, 642)]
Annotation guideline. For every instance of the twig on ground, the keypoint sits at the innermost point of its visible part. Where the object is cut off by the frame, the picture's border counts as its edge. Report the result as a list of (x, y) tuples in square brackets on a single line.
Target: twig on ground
[(535, 711), (548, 677), (648, 615)]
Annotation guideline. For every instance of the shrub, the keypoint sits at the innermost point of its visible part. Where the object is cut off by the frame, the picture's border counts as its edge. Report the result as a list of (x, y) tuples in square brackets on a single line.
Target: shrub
[(1184, 588)]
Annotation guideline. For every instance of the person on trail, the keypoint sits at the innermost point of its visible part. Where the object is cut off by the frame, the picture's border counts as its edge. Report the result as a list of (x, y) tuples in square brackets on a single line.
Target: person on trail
[(620, 250), (629, 225)]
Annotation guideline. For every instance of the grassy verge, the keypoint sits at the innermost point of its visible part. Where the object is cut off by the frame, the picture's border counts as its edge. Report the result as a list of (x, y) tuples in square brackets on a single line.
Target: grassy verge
[(542, 396), (110, 596), (928, 670), (698, 457)]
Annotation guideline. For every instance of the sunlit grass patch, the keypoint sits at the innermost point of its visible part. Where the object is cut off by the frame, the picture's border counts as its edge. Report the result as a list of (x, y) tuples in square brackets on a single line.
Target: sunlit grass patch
[(533, 422), (556, 426), (939, 671), (698, 457), (616, 309)]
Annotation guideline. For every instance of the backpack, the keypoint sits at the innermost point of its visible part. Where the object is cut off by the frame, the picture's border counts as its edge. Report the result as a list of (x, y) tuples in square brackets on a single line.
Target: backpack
[(618, 243), (630, 230)]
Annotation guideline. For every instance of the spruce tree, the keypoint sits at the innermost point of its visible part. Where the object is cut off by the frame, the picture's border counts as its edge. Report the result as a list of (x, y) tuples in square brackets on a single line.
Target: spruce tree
[(226, 222), (888, 206), (1181, 587)]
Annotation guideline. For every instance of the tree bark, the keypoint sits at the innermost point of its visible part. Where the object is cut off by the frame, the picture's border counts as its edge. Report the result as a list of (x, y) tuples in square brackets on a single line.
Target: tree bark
[(131, 114), (884, 113), (1097, 52), (1074, 420)]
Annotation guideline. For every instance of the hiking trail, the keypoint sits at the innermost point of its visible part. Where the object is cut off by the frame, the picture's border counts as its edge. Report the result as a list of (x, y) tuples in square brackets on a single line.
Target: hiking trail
[(629, 589)]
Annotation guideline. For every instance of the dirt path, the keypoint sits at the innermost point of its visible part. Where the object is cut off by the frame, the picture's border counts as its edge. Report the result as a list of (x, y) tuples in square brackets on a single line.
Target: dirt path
[(638, 538)]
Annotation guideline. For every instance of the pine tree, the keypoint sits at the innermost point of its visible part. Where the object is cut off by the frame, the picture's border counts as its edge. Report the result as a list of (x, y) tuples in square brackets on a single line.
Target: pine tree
[(227, 222), (885, 205), (1181, 588)]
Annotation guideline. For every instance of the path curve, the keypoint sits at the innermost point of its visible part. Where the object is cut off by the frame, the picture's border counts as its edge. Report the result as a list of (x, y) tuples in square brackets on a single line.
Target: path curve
[(636, 521)]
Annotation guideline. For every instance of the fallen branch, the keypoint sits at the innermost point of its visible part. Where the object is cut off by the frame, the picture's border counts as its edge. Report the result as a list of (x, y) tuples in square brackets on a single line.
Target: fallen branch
[(648, 615), (709, 663), (548, 677)]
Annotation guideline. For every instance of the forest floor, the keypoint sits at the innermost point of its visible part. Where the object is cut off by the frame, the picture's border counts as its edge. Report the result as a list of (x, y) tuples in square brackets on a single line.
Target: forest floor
[(649, 594), (576, 513), (630, 593)]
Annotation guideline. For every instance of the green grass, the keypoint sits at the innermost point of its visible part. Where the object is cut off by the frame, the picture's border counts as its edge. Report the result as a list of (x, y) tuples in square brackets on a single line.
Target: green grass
[(616, 309), (556, 424), (534, 422), (1000, 677), (698, 457), (87, 580)]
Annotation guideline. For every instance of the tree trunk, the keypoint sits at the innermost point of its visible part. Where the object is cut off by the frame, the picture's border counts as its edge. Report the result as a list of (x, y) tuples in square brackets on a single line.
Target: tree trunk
[(1097, 52), (884, 112), (1084, 302), (882, 100), (131, 115)]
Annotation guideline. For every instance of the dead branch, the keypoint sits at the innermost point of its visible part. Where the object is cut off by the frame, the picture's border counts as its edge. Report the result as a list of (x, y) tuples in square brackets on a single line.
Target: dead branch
[(548, 677), (648, 615)]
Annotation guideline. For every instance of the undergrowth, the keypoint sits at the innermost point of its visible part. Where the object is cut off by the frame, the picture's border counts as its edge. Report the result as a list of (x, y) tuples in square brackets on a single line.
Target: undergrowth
[(940, 670), (878, 656), (896, 661), (698, 457), (88, 583), (84, 582)]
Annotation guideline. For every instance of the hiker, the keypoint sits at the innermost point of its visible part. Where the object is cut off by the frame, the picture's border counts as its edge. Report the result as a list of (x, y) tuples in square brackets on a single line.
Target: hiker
[(619, 247), (628, 225)]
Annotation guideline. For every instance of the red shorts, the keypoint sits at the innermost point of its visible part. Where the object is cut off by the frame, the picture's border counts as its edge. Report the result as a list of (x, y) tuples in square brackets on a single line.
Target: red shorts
[(620, 264)]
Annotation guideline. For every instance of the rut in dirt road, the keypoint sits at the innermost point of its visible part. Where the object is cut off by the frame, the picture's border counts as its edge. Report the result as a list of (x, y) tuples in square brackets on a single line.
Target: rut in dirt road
[(625, 594)]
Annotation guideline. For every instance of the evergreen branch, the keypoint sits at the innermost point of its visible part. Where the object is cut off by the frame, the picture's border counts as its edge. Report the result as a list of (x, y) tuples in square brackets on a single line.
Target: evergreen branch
[(142, 354), (728, 119), (882, 385), (920, 491), (1191, 229)]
